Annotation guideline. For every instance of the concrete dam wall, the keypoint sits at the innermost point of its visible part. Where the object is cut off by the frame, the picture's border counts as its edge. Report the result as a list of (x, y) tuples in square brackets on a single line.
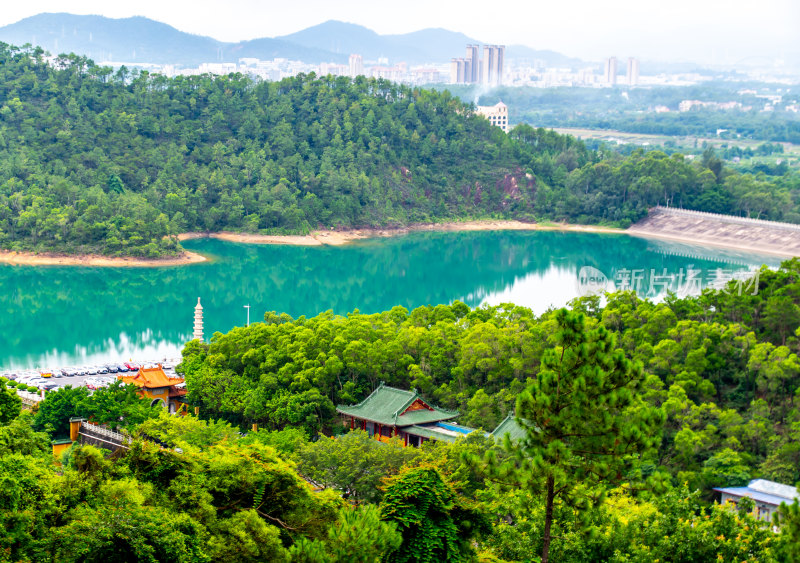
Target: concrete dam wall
[(697, 227)]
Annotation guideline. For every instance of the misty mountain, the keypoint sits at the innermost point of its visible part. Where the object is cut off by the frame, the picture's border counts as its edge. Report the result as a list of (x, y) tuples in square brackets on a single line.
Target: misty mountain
[(549, 58), (424, 46), (136, 39), (142, 40)]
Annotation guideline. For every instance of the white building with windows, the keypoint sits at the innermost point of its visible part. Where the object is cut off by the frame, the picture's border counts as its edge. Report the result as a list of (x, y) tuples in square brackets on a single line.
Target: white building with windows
[(496, 114), (767, 496)]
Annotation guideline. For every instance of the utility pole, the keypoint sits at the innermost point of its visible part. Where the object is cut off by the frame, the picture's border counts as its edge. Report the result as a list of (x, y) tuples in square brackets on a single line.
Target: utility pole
[(248, 314)]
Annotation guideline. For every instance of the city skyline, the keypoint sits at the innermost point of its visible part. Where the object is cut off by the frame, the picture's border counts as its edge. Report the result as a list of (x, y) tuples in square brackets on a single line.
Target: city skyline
[(710, 32)]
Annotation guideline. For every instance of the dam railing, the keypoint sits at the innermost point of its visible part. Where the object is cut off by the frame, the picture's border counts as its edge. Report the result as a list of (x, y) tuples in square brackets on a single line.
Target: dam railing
[(728, 218)]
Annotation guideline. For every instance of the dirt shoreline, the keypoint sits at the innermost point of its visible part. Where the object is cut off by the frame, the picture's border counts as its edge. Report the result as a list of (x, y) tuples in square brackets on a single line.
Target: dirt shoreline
[(52, 259), (316, 238), (338, 238)]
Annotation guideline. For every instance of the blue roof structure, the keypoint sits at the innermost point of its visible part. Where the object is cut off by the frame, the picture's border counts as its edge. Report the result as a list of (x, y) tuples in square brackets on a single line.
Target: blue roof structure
[(764, 491), (755, 495)]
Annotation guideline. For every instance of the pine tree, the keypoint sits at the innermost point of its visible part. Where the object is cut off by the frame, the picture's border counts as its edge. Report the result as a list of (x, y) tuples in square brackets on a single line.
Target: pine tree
[(584, 418)]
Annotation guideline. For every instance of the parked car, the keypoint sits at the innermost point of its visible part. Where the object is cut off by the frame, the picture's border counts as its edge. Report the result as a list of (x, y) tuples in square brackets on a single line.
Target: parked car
[(111, 368), (131, 366), (122, 368)]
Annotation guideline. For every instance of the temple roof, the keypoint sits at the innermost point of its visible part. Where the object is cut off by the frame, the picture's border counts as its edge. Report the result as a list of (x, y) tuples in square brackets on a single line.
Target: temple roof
[(396, 407), (511, 427), (150, 378)]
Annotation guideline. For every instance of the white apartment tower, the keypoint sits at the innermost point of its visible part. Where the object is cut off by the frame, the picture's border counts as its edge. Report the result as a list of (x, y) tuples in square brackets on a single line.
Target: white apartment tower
[(492, 68), (611, 70), (356, 65), (633, 71), (458, 71), (473, 69)]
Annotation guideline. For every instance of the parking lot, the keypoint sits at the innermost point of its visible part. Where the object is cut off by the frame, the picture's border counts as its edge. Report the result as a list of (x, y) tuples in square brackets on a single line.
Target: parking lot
[(93, 377)]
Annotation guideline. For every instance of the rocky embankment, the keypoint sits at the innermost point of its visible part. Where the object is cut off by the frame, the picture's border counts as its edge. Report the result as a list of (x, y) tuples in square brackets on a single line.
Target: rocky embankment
[(753, 235)]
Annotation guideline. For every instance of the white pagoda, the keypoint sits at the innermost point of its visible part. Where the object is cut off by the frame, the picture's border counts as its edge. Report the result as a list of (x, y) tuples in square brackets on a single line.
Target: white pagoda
[(198, 321)]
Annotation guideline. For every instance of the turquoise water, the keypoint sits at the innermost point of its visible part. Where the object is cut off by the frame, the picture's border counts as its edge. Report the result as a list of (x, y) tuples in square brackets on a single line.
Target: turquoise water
[(54, 316)]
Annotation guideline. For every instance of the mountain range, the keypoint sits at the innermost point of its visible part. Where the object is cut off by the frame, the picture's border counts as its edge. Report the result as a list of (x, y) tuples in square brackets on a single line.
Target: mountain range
[(142, 40)]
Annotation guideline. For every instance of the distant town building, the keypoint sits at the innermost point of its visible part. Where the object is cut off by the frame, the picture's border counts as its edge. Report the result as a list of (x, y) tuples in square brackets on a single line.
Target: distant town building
[(424, 75), (473, 70), (633, 71), (611, 70), (395, 73), (473, 64), (334, 69), (356, 65), (496, 114), (458, 71), (492, 66), (767, 495)]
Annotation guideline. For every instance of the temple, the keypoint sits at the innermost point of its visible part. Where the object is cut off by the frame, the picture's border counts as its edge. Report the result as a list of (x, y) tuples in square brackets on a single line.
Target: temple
[(153, 383), (390, 412)]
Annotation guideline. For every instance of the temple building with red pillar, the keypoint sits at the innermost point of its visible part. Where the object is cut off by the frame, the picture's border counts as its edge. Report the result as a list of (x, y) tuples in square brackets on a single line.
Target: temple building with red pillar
[(154, 384), (390, 412)]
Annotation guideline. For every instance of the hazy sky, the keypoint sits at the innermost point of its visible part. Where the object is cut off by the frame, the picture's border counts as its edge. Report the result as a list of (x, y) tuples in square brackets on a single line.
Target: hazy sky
[(672, 29)]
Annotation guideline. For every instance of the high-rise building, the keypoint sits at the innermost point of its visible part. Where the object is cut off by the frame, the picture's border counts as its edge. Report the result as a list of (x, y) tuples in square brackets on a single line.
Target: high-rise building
[(474, 58), (458, 71), (633, 71), (611, 70), (473, 70), (492, 67), (356, 65)]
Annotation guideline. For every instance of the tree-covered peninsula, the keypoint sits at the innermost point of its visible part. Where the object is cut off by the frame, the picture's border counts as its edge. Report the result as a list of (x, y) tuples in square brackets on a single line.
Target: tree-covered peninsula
[(97, 161)]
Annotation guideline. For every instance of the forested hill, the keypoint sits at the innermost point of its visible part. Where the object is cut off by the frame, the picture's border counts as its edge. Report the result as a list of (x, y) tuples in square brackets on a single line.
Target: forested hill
[(93, 160)]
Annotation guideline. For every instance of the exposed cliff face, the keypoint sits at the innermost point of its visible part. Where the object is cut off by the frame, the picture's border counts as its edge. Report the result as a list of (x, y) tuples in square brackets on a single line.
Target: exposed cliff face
[(512, 184)]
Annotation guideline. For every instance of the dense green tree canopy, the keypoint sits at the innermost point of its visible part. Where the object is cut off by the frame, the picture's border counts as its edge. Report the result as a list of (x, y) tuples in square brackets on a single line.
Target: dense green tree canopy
[(93, 160)]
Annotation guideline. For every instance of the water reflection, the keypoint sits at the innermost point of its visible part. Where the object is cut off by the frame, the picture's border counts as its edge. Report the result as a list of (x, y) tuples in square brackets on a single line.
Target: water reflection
[(63, 315)]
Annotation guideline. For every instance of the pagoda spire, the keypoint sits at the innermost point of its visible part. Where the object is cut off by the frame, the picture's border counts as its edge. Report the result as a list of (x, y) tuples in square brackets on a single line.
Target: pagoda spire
[(198, 321)]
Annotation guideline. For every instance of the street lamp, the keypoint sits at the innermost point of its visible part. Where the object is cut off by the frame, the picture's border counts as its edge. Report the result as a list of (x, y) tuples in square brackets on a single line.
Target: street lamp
[(248, 314)]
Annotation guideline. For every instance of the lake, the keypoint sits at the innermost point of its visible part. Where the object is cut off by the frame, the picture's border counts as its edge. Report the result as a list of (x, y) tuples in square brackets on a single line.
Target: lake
[(55, 316)]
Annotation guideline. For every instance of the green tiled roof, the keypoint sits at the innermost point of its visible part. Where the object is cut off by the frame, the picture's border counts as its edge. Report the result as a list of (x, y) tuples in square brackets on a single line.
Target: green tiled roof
[(386, 403), (511, 427), (61, 441)]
